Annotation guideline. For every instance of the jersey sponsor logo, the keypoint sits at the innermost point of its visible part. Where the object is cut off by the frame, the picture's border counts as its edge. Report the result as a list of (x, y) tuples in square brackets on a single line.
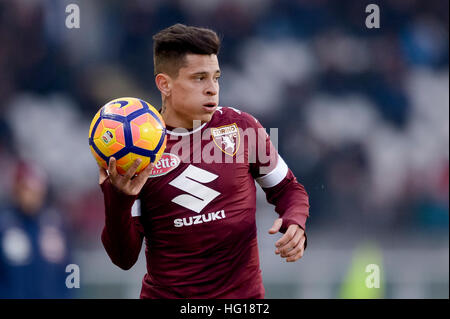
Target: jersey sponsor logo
[(191, 181), (167, 163), (227, 138), (199, 219)]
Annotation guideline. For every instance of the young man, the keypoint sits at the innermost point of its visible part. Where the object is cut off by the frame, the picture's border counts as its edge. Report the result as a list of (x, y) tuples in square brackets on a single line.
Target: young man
[(197, 215)]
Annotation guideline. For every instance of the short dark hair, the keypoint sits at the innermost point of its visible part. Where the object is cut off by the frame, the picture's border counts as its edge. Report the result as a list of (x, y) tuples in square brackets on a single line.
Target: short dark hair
[(171, 45)]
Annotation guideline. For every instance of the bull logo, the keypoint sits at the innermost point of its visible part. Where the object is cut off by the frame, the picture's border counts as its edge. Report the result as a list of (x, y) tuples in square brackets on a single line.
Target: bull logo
[(227, 138)]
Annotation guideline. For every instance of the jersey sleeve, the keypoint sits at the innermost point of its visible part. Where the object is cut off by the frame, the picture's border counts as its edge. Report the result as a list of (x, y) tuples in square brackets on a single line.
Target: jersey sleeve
[(277, 180), (123, 232)]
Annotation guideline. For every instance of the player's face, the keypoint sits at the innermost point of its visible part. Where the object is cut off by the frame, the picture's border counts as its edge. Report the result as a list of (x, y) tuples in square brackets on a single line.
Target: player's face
[(30, 195), (195, 91)]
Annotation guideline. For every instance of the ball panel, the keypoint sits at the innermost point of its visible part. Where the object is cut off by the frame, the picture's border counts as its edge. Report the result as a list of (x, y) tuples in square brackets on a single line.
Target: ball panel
[(130, 108), (114, 148), (114, 108), (106, 142), (145, 162), (148, 137), (99, 130), (111, 123), (146, 145), (135, 132), (120, 136), (123, 106), (125, 162), (149, 118), (142, 119), (146, 132)]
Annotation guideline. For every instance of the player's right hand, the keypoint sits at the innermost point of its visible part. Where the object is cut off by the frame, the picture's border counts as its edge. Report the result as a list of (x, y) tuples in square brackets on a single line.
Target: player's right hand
[(126, 183)]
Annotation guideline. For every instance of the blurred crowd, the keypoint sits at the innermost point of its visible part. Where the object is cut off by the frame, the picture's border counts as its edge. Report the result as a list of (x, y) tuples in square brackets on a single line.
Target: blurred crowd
[(362, 114)]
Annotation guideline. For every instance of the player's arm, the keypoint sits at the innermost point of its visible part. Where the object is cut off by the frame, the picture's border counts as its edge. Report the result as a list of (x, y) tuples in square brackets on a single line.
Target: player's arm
[(285, 192), (292, 204), (122, 234)]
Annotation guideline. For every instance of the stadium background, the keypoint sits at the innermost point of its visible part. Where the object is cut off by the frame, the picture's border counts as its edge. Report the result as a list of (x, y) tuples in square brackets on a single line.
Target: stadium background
[(363, 119)]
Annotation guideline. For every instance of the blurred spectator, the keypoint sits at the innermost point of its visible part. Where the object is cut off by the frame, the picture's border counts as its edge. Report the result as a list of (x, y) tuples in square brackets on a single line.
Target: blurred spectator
[(34, 250)]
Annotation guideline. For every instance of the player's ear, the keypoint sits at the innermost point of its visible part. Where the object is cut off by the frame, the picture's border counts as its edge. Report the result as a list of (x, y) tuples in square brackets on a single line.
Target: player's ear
[(163, 82)]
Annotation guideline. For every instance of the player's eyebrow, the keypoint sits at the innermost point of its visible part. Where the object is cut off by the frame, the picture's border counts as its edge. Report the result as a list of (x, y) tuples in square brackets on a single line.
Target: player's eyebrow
[(204, 73)]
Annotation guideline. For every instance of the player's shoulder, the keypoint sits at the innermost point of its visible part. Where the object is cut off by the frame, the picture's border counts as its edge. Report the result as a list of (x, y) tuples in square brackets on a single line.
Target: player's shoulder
[(228, 113)]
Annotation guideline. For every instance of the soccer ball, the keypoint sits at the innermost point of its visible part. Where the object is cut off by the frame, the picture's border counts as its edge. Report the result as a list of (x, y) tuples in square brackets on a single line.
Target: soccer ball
[(126, 129)]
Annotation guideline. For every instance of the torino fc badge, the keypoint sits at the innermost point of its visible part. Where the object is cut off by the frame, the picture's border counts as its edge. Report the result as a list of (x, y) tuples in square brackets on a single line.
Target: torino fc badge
[(227, 138)]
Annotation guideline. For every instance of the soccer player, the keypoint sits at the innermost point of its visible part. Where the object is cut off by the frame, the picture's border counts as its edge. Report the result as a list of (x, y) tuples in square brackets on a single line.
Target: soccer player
[(197, 215)]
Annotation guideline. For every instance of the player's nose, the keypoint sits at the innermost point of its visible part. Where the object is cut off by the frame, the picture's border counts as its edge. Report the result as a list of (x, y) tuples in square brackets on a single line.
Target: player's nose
[(212, 88)]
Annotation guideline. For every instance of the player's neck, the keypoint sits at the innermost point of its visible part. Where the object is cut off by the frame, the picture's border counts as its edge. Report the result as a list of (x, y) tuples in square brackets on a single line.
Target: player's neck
[(174, 120)]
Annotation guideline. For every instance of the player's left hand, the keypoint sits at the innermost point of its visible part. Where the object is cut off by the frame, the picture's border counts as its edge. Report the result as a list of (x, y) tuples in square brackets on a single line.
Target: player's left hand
[(292, 245)]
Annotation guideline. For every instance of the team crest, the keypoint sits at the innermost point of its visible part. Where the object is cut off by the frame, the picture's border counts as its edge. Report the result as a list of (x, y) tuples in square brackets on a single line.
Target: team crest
[(227, 138)]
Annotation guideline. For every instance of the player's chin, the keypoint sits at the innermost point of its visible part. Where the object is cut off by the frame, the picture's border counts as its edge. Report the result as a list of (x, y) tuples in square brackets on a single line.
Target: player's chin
[(206, 117)]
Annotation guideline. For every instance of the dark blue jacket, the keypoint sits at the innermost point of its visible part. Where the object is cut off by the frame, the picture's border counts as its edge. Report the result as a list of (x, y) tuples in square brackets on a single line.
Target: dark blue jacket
[(34, 254)]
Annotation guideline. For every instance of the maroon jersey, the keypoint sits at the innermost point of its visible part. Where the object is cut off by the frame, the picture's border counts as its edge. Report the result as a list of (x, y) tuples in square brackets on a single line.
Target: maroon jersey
[(197, 211)]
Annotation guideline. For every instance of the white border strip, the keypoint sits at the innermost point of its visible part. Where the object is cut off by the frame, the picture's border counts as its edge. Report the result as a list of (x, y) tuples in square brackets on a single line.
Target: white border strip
[(186, 133), (275, 176), (136, 209)]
